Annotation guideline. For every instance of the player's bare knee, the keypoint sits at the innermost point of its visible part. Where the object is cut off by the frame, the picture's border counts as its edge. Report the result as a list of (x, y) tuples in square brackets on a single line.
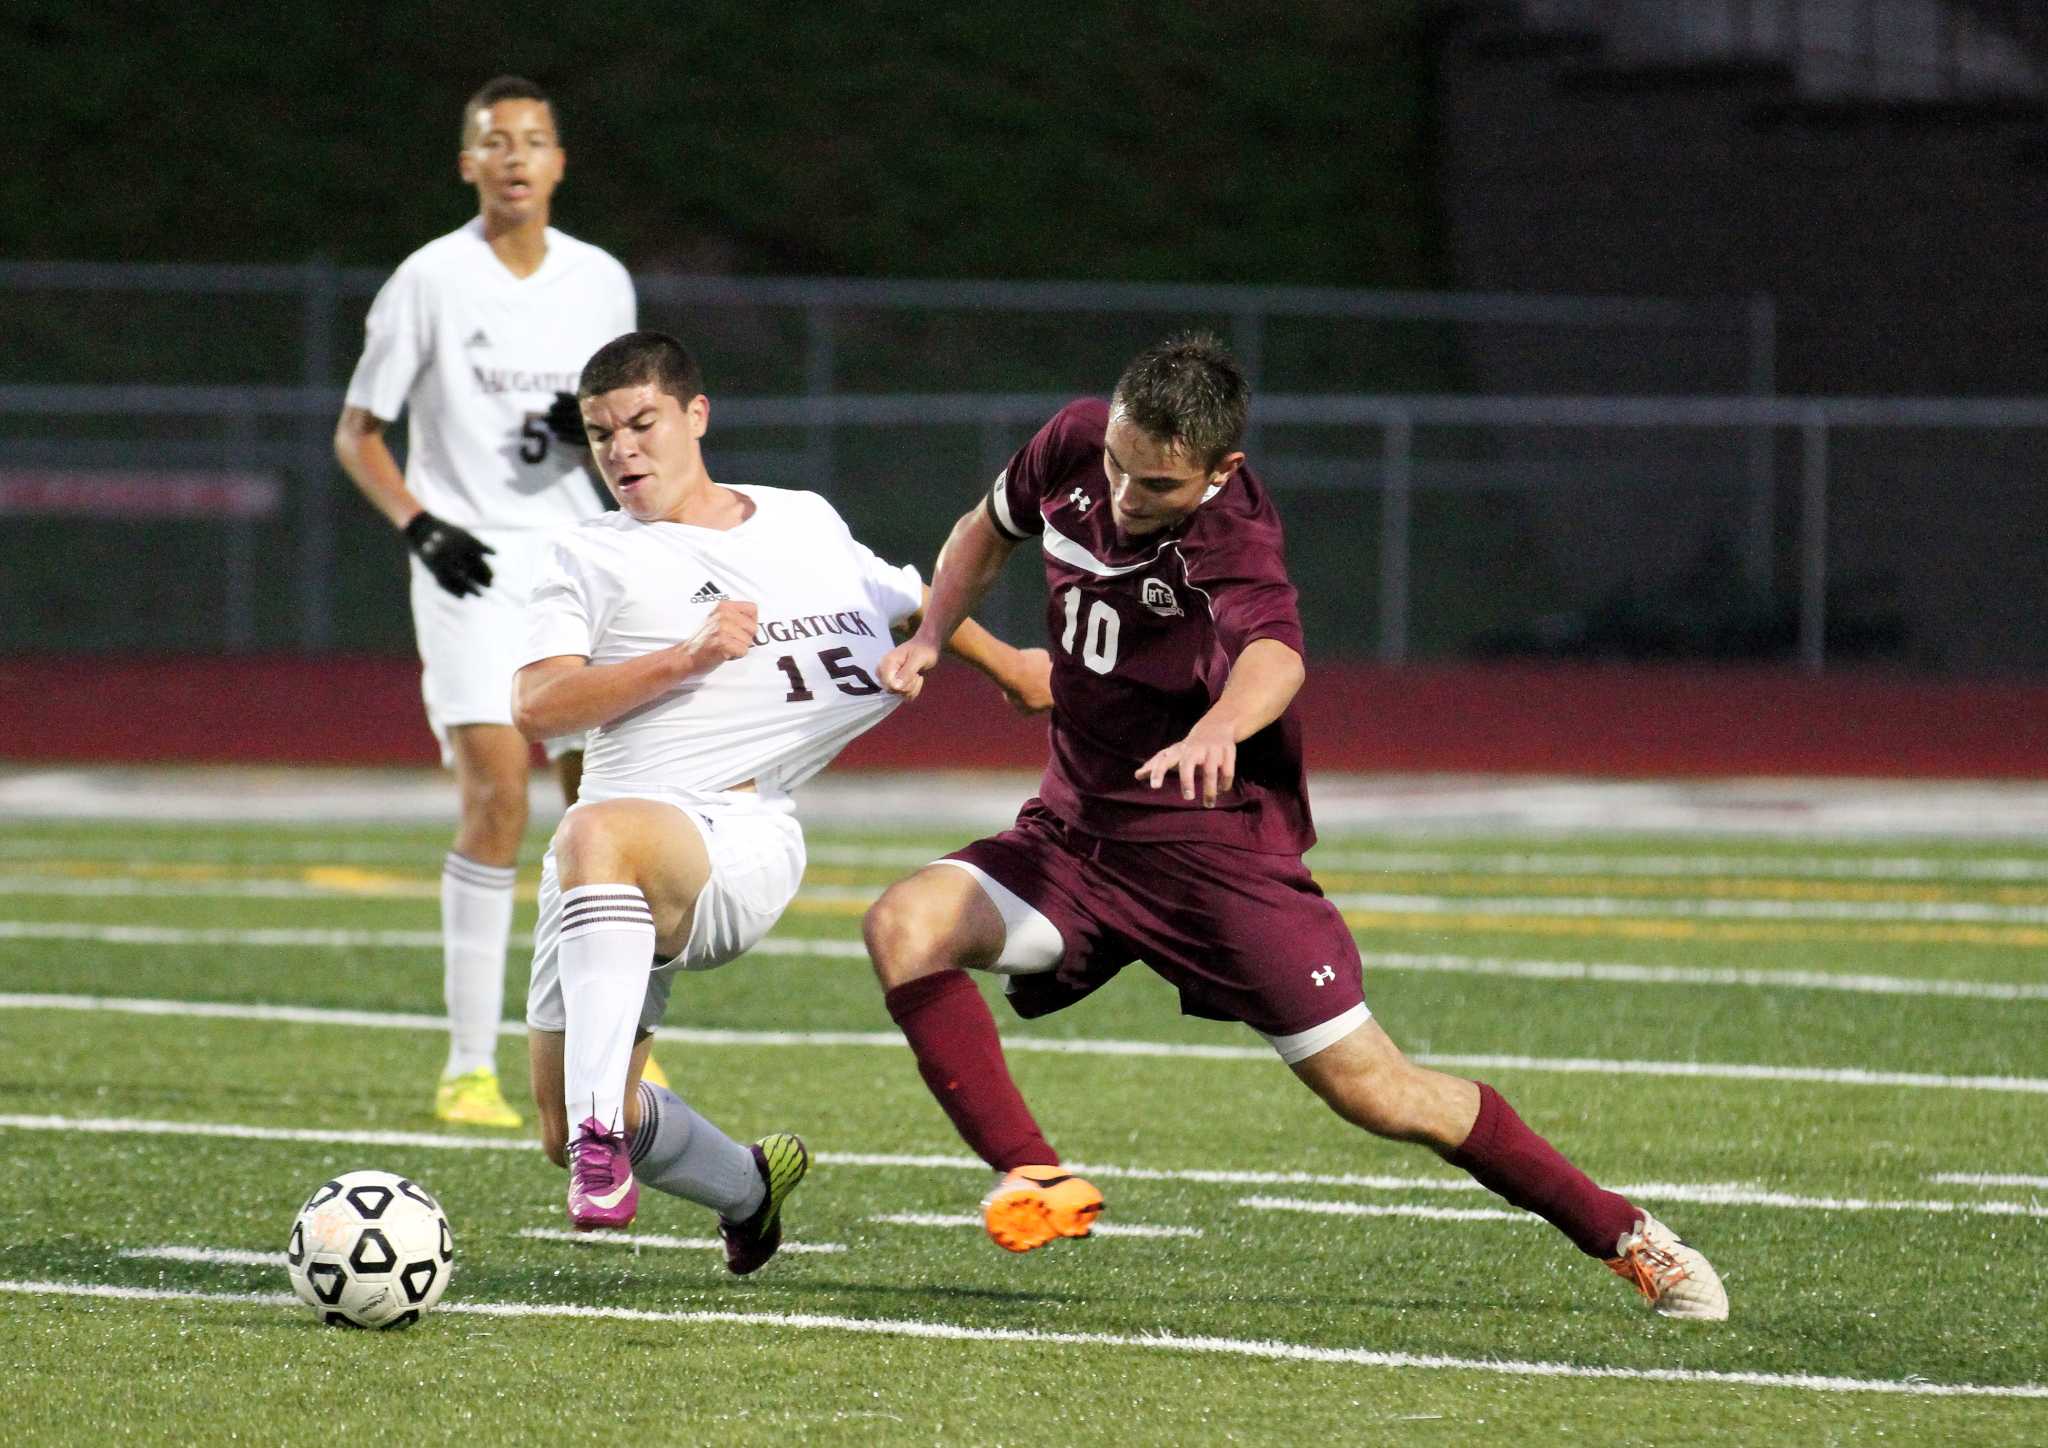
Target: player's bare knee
[(494, 813), (906, 933), (585, 850)]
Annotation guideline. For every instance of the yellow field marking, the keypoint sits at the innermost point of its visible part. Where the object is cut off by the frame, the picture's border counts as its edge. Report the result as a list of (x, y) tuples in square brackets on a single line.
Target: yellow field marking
[(2030, 937), (349, 880), (812, 905)]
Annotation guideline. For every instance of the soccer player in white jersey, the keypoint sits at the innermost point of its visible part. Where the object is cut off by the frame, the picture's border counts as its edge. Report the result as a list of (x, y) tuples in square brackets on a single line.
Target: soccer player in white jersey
[(719, 643), (475, 336)]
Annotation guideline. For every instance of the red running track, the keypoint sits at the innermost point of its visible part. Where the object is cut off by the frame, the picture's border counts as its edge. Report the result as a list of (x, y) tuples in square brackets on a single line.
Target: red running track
[(1511, 718)]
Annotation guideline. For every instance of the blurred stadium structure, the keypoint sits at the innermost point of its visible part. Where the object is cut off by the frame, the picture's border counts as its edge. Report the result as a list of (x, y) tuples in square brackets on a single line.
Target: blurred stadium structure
[(1865, 49), (1643, 494)]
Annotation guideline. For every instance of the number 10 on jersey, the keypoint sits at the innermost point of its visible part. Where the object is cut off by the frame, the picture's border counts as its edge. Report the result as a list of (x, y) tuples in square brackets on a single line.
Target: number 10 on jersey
[(1098, 639)]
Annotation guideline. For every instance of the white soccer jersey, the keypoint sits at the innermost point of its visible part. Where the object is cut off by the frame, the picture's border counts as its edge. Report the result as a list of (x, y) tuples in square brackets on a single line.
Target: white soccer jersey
[(476, 356), (616, 588)]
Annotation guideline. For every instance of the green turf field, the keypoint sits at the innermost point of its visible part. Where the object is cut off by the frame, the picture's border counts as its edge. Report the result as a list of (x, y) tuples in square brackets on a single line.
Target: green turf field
[(1824, 1064)]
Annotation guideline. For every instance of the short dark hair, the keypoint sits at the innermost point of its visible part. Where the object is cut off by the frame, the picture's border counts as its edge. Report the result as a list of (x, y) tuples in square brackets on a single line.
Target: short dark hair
[(506, 88), (638, 358), (1189, 393)]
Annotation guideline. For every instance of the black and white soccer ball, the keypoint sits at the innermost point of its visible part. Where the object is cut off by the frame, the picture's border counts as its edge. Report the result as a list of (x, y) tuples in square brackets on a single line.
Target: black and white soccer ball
[(370, 1249)]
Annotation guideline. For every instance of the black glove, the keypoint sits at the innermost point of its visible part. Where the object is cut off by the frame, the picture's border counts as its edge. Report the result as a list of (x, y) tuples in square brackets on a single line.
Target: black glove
[(565, 421), (453, 555)]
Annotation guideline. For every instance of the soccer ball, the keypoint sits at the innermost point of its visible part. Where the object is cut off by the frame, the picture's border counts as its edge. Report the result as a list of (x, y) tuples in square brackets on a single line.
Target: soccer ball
[(370, 1249)]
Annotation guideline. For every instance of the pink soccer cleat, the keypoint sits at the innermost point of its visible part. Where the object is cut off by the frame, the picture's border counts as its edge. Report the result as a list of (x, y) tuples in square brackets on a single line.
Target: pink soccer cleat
[(602, 1192)]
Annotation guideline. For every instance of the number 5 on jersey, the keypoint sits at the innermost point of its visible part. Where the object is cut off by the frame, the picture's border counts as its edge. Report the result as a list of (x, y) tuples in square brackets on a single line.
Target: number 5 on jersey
[(1098, 639)]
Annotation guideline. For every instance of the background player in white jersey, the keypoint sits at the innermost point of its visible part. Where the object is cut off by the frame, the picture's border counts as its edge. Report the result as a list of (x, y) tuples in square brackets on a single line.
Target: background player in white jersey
[(720, 645), (477, 336)]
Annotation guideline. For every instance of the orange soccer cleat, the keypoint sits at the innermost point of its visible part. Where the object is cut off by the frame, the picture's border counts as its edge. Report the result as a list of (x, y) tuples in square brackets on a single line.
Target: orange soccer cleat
[(1031, 1205)]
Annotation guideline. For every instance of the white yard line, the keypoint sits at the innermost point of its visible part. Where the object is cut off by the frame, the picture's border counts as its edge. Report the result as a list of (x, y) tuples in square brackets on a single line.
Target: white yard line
[(1623, 973), (27, 844), (655, 1239), (1663, 865), (1604, 907), (1610, 907), (1709, 1193), (890, 1040), (1988, 1179), (1380, 1209), (211, 1256), (1713, 1194), (281, 938), (1147, 1342), (1604, 972), (969, 1219), (109, 886)]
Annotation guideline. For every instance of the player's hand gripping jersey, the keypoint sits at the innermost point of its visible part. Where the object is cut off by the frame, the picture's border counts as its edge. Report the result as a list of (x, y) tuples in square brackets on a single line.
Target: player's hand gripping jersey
[(616, 588), (1144, 631), (477, 355)]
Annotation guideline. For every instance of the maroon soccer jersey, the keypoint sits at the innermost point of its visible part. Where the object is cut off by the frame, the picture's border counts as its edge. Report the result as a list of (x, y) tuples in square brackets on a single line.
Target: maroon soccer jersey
[(1143, 633)]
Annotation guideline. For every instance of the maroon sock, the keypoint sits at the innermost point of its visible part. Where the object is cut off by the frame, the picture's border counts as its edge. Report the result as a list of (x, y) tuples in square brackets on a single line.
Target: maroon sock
[(1509, 1159), (960, 1057)]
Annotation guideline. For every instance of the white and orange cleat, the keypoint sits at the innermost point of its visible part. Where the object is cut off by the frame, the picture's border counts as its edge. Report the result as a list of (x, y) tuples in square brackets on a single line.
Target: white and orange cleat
[(1031, 1205), (1678, 1280)]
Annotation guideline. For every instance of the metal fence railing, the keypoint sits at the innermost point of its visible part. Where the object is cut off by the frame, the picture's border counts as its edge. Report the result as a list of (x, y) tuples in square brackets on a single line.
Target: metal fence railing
[(120, 368), (1378, 491), (1884, 49)]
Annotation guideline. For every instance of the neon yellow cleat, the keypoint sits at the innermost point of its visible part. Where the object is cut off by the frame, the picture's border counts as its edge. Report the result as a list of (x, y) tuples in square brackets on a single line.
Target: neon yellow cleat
[(653, 1075), (473, 1099)]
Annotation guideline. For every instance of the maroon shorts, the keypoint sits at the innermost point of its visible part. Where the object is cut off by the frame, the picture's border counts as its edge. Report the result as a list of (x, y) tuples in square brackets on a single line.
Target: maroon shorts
[(1242, 936)]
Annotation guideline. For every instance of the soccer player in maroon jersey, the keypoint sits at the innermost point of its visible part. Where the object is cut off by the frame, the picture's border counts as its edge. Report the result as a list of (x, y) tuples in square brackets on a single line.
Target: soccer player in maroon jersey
[(1172, 819)]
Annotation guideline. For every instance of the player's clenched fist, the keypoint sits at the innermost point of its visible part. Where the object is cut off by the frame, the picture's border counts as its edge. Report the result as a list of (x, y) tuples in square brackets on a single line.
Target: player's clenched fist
[(725, 634), (903, 668)]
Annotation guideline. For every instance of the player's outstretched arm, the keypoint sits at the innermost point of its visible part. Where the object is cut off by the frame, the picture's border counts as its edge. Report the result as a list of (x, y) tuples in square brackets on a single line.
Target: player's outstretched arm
[(568, 694), (969, 563), (1263, 681)]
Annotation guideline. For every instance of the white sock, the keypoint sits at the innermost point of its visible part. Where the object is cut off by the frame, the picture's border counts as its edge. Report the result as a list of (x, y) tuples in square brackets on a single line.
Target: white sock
[(681, 1153), (607, 944), (476, 924)]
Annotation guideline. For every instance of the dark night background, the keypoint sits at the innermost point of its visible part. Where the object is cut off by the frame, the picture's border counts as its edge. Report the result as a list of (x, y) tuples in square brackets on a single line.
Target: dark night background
[(1184, 141), (1388, 144)]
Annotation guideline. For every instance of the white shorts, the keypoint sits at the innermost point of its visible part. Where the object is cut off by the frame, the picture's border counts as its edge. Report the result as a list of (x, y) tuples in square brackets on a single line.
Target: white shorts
[(757, 862), (471, 647)]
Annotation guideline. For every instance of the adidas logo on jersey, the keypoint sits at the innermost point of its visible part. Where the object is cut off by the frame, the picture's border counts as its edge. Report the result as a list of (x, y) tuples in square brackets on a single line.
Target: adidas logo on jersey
[(709, 593), (478, 338)]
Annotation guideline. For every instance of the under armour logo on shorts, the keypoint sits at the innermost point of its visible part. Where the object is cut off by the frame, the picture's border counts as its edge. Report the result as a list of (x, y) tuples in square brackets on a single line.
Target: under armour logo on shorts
[(1322, 975)]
